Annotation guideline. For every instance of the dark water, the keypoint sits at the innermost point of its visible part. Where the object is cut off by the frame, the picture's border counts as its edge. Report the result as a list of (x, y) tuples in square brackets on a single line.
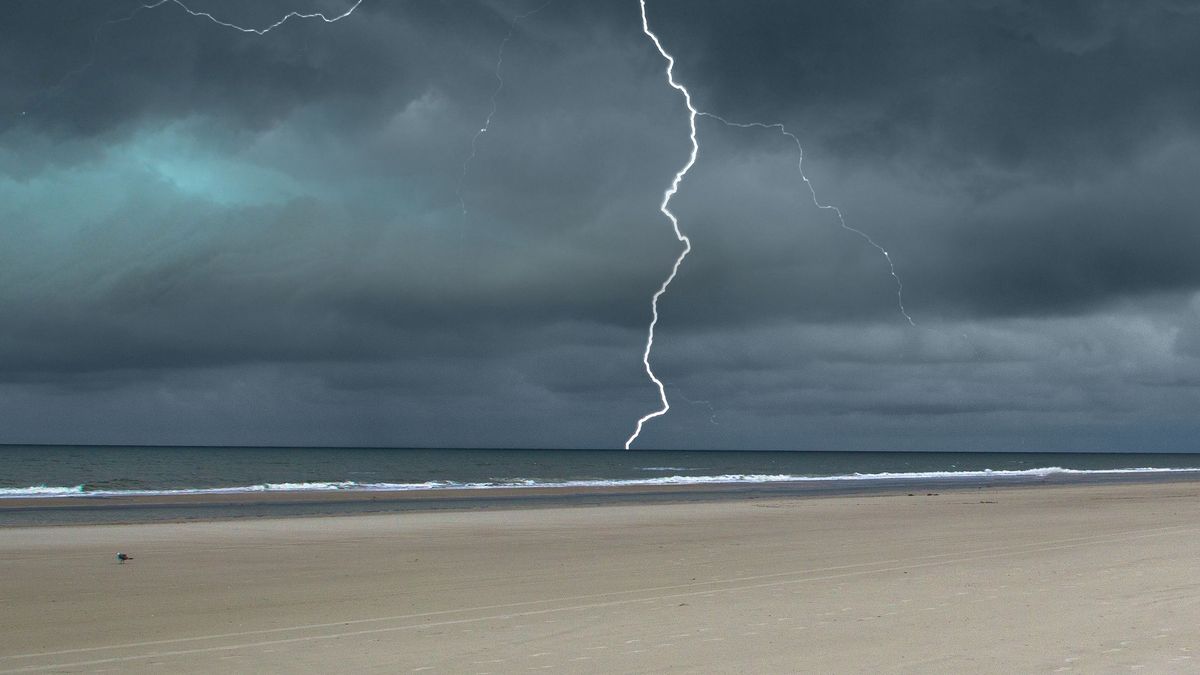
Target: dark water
[(82, 471), (92, 476)]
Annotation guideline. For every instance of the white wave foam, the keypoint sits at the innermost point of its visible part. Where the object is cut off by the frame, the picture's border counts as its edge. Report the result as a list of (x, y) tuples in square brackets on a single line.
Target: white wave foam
[(734, 478), (42, 491), (670, 468)]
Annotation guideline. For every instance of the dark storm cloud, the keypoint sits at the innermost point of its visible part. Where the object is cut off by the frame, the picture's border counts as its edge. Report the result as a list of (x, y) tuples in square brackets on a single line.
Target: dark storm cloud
[(217, 237), (1009, 83), (111, 65), (268, 230), (1060, 135)]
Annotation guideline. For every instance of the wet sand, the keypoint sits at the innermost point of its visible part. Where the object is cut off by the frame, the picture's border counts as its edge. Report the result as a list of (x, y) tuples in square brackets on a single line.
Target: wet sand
[(1043, 579)]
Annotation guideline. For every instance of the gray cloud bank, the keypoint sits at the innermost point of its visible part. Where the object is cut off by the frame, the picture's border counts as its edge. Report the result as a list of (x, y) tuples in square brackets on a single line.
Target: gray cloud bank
[(212, 237)]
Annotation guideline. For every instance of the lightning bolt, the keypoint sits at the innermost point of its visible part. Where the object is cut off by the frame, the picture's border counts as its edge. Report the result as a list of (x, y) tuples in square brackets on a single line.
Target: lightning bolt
[(257, 31), (487, 122), (665, 208), (828, 207), (50, 91), (668, 194)]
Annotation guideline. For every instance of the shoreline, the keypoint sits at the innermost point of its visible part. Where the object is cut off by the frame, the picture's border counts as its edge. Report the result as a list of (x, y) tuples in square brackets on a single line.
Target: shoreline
[(19, 512)]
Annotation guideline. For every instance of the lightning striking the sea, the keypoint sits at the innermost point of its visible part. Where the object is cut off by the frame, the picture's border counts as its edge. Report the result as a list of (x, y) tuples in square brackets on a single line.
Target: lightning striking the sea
[(487, 122), (670, 192), (665, 208)]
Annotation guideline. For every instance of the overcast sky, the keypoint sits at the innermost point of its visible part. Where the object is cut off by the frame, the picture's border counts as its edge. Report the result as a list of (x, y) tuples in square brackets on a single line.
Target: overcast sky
[(215, 237)]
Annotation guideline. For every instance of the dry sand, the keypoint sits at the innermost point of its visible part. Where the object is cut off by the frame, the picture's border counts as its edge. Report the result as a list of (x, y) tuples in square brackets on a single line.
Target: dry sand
[(1045, 579)]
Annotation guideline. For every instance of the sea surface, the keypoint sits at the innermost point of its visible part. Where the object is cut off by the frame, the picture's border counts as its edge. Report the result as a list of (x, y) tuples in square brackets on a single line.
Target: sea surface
[(91, 476), (106, 471)]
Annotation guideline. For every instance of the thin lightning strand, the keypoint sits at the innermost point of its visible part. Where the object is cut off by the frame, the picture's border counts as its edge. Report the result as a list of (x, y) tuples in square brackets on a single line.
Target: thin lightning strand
[(257, 31), (487, 122), (664, 207), (712, 417), (159, 3), (829, 207)]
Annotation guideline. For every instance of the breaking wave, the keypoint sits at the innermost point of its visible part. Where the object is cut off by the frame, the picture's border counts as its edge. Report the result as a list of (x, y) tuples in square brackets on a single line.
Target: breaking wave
[(327, 486)]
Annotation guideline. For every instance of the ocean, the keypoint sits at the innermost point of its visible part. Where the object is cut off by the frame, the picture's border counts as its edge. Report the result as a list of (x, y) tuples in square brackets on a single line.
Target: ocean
[(90, 477), (86, 471)]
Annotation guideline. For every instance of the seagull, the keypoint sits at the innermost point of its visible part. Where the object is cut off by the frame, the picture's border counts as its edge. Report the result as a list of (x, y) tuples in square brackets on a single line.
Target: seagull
[(122, 557)]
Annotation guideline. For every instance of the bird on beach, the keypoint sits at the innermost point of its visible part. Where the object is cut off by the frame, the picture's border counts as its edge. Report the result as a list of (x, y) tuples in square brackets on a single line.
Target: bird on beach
[(121, 557)]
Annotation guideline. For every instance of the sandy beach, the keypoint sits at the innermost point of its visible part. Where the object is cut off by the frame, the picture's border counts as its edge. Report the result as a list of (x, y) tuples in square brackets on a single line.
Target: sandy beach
[(1097, 578)]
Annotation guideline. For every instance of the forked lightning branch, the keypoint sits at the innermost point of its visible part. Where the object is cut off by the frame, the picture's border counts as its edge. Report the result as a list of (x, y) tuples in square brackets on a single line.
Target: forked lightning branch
[(687, 243)]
